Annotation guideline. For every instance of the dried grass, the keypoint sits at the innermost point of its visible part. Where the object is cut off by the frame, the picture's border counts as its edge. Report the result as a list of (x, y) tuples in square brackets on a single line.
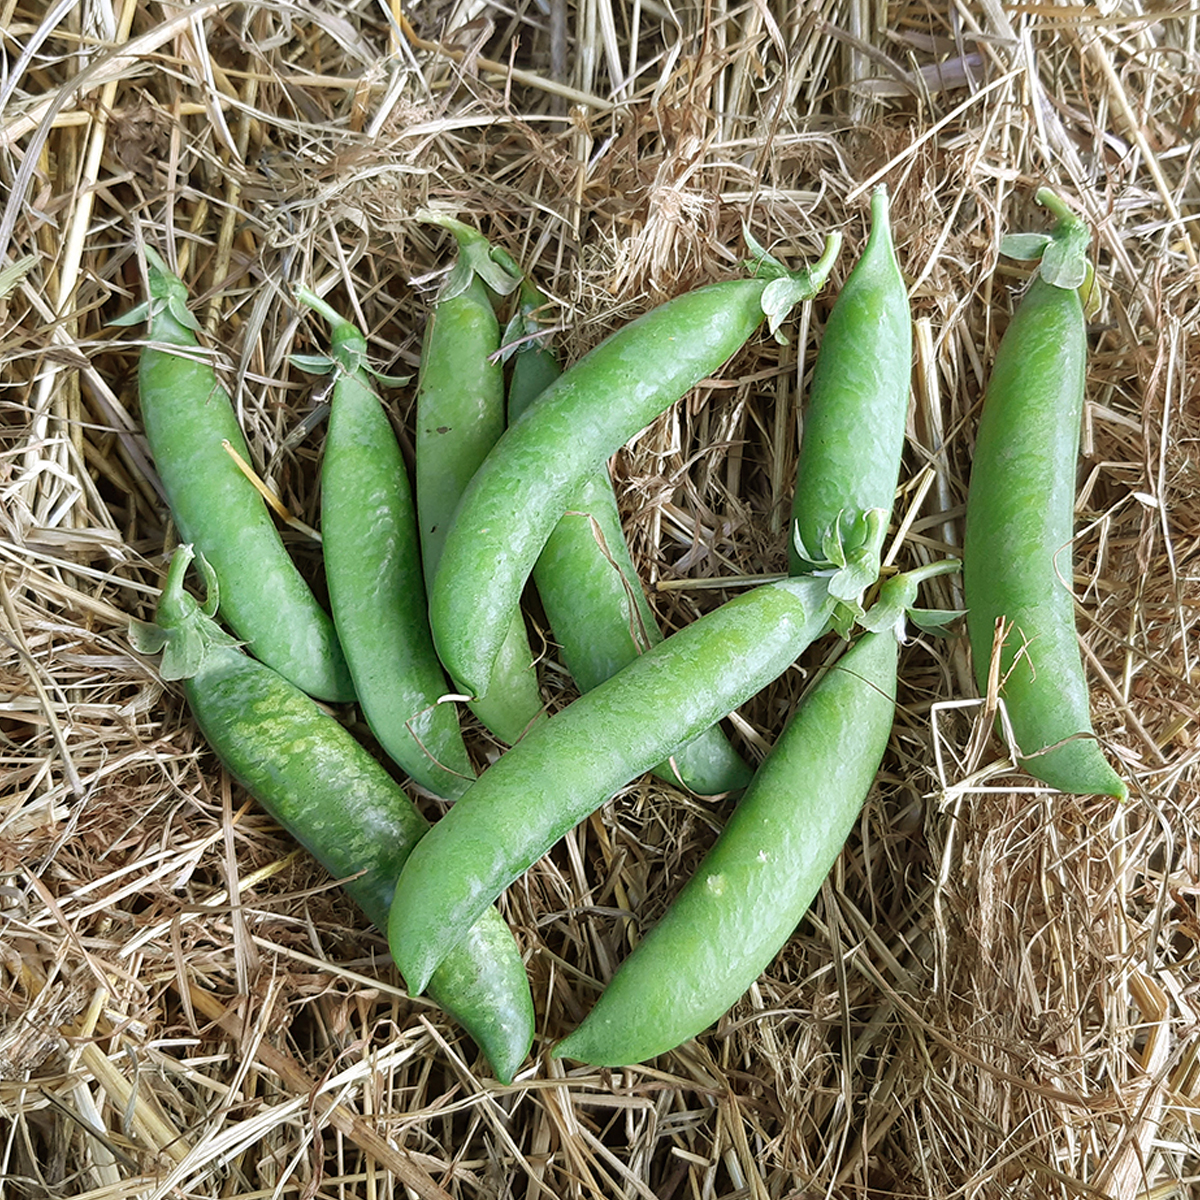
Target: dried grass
[(995, 994)]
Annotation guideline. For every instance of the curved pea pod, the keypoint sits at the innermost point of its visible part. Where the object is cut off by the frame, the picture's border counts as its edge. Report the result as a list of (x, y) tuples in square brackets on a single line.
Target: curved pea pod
[(460, 416), (337, 801), (373, 572), (754, 886), (569, 765), (189, 418), (523, 487), (589, 587), (853, 435), (1017, 561)]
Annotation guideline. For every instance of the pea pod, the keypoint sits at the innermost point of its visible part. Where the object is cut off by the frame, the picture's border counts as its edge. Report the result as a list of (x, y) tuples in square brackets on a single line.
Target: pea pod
[(460, 416), (588, 585), (854, 424), (569, 765), (188, 418), (373, 571), (521, 490), (1017, 562), (755, 884), (313, 778)]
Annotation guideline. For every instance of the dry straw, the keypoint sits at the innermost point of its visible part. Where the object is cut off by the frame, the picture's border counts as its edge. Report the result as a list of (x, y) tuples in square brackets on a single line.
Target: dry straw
[(995, 993)]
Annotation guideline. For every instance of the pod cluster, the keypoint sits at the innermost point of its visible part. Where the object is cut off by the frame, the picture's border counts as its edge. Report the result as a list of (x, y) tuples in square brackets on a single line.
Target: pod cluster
[(425, 583)]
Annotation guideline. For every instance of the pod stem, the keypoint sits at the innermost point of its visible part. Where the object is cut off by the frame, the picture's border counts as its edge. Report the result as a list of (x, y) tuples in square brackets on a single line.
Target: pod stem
[(476, 257), (466, 235), (349, 346), (788, 288), (896, 605), (1061, 254), (1057, 206), (184, 630), (819, 271), (879, 240), (918, 575), (322, 308), (175, 603), (167, 294)]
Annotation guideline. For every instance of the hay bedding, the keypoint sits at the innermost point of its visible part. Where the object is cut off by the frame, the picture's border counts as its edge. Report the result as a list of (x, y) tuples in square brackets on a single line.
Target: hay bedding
[(994, 995)]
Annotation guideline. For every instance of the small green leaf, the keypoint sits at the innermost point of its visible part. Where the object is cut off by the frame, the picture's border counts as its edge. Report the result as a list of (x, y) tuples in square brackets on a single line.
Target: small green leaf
[(495, 274), (935, 620), (526, 329), (801, 549), (392, 381), (832, 545), (883, 616), (1089, 293), (476, 256), (851, 551), (313, 364), (1063, 265), (779, 297), (899, 592), (1026, 247), (185, 630), (789, 288), (859, 573), (762, 262), (845, 618), (145, 637), (1063, 251), (182, 655), (212, 596), (177, 307), (897, 596), (135, 316)]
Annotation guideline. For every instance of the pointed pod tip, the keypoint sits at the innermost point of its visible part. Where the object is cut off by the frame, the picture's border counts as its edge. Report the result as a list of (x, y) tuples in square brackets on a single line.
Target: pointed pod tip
[(416, 976), (563, 1048), (575, 1046)]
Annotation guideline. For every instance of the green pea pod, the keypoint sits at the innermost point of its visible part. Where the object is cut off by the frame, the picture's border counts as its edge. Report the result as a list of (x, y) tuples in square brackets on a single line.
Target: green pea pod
[(588, 585), (189, 419), (1017, 562), (312, 777), (854, 424), (373, 571), (753, 887), (522, 489), (460, 416), (569, 765), (755, 884)]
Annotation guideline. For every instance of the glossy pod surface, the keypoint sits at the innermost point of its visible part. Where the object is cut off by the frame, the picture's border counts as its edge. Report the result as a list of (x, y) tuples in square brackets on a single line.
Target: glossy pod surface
[(854, 423), (592, 596), (755, 884), (1017, 561), (460, 409), (187, 415), (376, 587), (568, 433), (312, 777), (571, 764), (460, 416)]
